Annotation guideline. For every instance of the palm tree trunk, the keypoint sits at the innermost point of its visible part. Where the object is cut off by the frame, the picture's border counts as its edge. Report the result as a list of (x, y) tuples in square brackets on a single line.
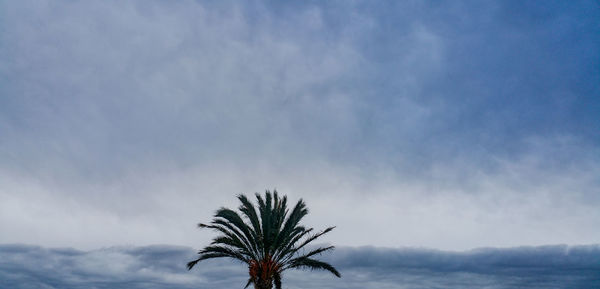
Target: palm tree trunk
[(263, 284)]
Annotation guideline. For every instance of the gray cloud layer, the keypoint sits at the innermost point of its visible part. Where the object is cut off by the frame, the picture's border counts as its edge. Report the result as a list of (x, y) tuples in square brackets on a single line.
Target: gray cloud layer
[(447, 125), (368, 267)]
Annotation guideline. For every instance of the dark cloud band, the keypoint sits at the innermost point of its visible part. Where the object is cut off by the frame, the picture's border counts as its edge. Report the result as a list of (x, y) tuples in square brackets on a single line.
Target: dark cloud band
[(157, 267)]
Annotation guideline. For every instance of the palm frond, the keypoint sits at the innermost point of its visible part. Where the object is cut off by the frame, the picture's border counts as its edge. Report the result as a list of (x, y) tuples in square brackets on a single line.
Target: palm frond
[(191, 264), (229, 231), (314, 237), (234, 219), (265, 213), (318, 251), (286, 250), (266, 236), (277, 280), (231, 243), (247, 208), (232, 253), (250, 281), (312, 264), (290, 224)]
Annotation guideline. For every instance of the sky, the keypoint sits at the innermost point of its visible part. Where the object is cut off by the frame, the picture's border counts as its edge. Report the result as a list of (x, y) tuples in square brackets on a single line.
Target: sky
[(414, 124), (160, 267)]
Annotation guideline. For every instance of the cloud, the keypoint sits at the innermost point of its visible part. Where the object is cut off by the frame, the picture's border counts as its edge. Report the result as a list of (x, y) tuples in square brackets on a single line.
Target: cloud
[(128, 122), (366, 267)]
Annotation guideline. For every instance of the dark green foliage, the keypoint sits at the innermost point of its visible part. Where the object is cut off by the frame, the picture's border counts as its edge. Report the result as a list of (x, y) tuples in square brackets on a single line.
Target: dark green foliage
[(269, 241)]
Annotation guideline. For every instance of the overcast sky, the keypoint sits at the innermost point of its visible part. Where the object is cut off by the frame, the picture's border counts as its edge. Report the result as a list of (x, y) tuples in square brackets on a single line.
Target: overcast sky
[(449, 125), (161, 267)]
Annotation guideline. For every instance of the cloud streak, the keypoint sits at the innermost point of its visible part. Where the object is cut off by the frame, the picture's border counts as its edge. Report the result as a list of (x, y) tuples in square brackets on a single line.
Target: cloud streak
[(367, 267)]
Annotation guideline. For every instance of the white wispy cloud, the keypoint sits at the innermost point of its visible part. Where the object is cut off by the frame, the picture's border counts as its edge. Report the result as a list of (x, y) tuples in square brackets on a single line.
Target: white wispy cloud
[(402, 124)]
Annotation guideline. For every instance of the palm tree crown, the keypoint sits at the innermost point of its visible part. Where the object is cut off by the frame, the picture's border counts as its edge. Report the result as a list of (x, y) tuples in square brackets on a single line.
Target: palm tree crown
[(269, 242)]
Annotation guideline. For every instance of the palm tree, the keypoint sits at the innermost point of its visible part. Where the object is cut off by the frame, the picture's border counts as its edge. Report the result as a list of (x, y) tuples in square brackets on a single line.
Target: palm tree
[(269, 242)]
